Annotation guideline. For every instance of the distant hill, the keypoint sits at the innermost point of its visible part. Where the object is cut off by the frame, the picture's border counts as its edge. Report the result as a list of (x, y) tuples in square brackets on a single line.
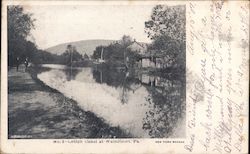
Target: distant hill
[(85, 46)]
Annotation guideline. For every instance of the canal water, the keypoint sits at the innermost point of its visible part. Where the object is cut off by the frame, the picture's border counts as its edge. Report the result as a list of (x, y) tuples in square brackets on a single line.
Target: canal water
[(142, 105)]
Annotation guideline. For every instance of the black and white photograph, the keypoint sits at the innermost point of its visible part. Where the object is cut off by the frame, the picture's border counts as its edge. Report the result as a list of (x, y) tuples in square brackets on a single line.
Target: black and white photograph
[(96, 71)]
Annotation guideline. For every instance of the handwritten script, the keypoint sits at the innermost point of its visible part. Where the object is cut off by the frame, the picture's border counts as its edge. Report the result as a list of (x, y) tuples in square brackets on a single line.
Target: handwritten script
[(217, 57)]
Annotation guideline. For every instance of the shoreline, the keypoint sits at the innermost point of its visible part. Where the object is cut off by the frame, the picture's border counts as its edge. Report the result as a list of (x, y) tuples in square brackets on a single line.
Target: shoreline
[(85, 123)]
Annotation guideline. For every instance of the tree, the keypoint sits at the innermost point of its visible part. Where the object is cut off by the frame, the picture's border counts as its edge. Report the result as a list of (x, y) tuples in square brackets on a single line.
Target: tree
[(85, 57), (116, 54), (20, 24), (71, 54), (126, 40), (76, 56), (167, 20), (167, 30), (97, 52)]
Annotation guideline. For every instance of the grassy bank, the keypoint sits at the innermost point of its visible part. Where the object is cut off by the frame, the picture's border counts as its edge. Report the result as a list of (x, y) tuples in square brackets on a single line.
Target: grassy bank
[(38, 111)]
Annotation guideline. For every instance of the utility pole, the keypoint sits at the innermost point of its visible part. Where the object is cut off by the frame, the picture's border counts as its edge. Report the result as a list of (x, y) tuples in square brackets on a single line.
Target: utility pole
[(71, 49)]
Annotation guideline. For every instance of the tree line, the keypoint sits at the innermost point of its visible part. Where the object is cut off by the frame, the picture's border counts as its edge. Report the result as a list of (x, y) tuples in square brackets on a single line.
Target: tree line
[(166, 29), (20, 24), (116, 53)]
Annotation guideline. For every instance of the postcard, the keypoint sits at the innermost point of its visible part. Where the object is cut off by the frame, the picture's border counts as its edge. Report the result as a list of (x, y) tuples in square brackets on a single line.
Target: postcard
[(124, 76)]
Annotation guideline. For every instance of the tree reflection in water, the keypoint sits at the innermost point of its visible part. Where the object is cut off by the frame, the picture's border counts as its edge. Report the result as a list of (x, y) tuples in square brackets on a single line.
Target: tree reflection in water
[(118, 78), (168, 107), (155, 103), (166, 96), (71, 73)]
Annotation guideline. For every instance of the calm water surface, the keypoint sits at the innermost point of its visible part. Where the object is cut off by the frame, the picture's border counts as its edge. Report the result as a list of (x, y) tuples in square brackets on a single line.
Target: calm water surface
[(140, 104)]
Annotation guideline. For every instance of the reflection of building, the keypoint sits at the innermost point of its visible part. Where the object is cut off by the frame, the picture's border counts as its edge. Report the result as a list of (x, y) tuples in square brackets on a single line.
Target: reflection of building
[(156, 81), (147, 80)]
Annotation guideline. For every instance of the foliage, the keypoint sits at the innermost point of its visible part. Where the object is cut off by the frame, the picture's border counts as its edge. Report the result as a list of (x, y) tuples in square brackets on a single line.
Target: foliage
[(97, 52), (167, 30), (85, 57), (167, 20), (116, 53), (126, 40), (133, 57), (20, 24), (71, 55)]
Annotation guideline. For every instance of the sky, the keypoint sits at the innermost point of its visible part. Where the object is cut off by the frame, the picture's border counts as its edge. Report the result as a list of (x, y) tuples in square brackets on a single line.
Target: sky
[(60, 24)]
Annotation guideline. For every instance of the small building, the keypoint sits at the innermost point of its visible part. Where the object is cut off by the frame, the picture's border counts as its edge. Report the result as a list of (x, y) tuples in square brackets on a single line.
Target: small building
[(140, 48), (147, 62)]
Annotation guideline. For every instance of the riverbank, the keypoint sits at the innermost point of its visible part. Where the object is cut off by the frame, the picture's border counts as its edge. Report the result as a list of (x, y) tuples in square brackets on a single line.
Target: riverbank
[(38, 111)]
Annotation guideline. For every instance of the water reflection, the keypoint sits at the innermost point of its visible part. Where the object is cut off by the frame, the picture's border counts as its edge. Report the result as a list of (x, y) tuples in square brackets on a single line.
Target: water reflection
[(71, 73), (118, 78), (141, 104), (166, 96)]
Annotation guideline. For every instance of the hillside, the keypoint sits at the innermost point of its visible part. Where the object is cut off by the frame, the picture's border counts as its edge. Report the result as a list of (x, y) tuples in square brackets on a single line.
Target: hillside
[(85, 46)]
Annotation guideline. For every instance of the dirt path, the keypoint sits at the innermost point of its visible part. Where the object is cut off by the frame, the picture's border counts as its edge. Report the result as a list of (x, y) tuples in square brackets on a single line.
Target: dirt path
[(35, 111)]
